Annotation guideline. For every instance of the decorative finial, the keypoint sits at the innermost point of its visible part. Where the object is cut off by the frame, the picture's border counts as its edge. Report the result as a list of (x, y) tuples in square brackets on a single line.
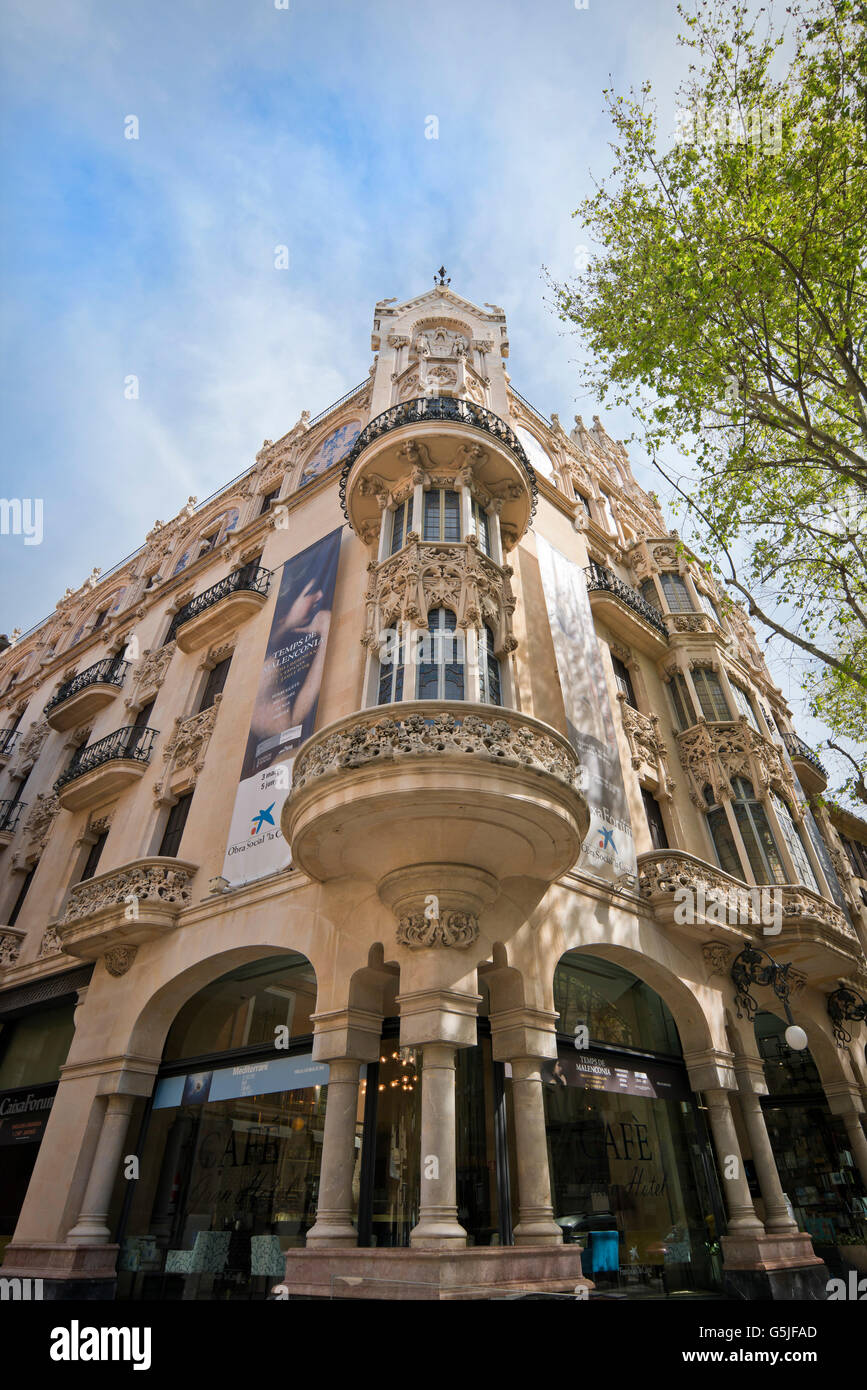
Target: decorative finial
[(442, 274)]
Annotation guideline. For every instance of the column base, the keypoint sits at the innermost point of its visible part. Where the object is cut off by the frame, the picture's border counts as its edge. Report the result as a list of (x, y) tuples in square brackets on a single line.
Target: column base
[(89, 1231), (774, 1265), (478, 1272), (539, 1232), (438, 1234), (67, 1272), (327, 1234)]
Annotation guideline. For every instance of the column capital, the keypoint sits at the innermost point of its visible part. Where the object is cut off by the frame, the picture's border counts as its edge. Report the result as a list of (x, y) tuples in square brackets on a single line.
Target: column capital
[(523, 1032), (438, 1015), (843, 1097), (351, 1033), (711, 1069), (750, 1072)]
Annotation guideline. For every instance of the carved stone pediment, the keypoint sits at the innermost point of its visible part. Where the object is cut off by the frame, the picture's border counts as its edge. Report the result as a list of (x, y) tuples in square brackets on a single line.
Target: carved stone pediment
[(425, 575), (716, 753), (149, 673)]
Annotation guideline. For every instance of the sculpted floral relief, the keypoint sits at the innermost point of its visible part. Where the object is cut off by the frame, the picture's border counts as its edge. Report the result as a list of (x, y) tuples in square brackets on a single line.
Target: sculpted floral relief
[(154, 883), (715, 753)]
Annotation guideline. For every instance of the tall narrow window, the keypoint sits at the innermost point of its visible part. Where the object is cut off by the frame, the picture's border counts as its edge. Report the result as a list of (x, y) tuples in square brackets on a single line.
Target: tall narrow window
[(708, 605), (93, 857), (441, 663), (481, 526), (442, 515), (684, 712), (100, 618), (650, 594), (722, 838), (803, 867), (401, 523), (655, 823), (489, 668), (392, 663), (744, 704), (268, 500), (677, 594), (760, 845), (215, 682), (710, 694), (584, 501), (624, 681), (138, 735), (171, 841), (22, 894)]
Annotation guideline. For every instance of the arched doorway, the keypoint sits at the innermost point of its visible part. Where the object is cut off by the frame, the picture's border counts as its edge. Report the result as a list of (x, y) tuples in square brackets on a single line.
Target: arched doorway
[(632, 1171), (230, 1146), (812, 1150)]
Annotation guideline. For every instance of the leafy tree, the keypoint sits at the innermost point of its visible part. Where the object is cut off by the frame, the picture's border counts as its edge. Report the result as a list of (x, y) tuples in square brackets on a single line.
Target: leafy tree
[(727, 309)]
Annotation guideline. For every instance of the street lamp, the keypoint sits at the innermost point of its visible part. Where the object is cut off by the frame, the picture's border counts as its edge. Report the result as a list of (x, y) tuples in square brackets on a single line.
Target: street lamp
[(846, 1005), (756, 967)]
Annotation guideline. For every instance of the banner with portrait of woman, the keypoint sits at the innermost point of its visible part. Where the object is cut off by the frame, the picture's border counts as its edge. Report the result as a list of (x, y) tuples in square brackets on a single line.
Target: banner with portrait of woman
[(284, 713)]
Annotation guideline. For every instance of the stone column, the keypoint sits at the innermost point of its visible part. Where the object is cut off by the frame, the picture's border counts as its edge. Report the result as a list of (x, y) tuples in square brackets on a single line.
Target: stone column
[(739, 1204), (438, 1224), (91, 1227), (751, 1084), (536, 1224), (334, 1209), (858, 1140)]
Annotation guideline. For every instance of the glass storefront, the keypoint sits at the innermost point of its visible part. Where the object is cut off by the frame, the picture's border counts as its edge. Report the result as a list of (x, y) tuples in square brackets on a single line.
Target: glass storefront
[(632, 1177), (33, 1048), (812, 1149)]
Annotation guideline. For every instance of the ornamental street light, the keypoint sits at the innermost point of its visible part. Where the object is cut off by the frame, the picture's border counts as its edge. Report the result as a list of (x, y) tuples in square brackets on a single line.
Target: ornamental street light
[(846, 1005), (756, 967)]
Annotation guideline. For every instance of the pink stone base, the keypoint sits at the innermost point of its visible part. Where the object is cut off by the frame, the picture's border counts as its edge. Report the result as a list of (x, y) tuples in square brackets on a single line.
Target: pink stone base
[(480, 1271), (772, 1250), (42, 1260)]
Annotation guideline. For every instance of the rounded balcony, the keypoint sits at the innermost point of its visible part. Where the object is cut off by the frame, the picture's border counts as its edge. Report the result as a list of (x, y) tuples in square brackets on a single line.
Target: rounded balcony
[(434, 797), (438, 441)]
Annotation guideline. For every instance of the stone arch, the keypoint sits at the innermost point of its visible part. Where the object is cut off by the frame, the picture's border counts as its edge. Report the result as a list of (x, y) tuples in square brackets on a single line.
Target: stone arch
[(832, 1062)]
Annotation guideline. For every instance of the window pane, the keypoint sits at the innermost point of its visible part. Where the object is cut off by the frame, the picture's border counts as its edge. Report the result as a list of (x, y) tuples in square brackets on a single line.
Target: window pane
[(710, 695), (432, 515), (744, 704), (174, 830), (803, 867), (676, 593), (452, 517), (761, 848), (216, 681), (724, 843), (708, 605), (428, 682), (683, 709), (650, 594), (656, 825), (624, 681)]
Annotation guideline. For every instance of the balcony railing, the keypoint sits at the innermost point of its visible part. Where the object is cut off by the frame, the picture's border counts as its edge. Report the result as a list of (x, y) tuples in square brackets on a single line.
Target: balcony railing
[(250, 578), (135, 743), (10, 814), (424, 409), (599, 578), (799, 749), (8, 740), (110, 671)]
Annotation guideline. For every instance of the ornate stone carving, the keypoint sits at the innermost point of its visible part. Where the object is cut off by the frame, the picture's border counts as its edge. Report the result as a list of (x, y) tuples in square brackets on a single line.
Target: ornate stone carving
[(149, 673), (10, 946), (147, 882), (646, 744), (458, 929), (690, 622), (381, 737), (118, 959), (716, 753), (189, 742), (426, 575), (31, 744), (39, 822), (50, 944), (717, 957)]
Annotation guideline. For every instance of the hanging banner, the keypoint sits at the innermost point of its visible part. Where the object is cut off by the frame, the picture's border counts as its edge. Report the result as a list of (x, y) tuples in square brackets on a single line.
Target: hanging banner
[(285, 710), (608, 851)]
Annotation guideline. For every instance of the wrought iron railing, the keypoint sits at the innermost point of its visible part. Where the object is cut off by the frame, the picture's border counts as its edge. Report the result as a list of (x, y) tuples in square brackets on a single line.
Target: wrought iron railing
[(10, 814), (8, 740), (250, 578), (799, 749), (599, 578), (343, 399), (110, 671), (426, 408), (529, 406), (134, 743)]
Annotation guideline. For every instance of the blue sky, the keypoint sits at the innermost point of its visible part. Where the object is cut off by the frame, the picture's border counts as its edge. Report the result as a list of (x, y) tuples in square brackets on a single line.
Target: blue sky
[(261, 127)]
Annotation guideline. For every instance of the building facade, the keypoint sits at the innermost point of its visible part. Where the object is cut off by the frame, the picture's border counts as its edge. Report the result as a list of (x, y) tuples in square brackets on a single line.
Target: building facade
[(409, 876)]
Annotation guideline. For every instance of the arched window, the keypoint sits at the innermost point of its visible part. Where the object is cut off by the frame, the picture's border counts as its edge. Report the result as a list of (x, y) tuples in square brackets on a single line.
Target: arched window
[(803, 867), (722, 837), (441, 667), (650, 594), (708, 605), (401, 523), (489, 668), (442, 515), (744, 704)]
